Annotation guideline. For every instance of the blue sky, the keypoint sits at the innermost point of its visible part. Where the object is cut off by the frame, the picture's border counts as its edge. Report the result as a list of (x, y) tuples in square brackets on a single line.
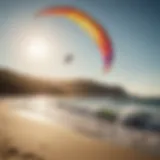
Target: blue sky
[(133, 26)]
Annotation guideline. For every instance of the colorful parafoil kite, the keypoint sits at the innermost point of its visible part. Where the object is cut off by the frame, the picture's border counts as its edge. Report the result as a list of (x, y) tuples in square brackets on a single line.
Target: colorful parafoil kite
[(96, 30)]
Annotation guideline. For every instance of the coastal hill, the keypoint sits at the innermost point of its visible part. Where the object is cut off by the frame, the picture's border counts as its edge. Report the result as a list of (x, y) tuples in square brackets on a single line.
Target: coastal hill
[(13, 83)]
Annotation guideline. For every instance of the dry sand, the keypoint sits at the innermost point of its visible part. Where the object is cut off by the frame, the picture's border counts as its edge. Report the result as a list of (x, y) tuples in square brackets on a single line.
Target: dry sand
[(52, 142)]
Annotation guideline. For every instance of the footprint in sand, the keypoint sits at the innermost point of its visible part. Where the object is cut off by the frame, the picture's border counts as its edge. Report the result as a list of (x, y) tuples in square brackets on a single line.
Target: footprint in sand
[(11, 154), (30, 156)]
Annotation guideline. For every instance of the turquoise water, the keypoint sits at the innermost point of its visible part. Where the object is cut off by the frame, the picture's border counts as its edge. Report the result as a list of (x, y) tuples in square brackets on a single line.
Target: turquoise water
[(117, 105), (123, 108)]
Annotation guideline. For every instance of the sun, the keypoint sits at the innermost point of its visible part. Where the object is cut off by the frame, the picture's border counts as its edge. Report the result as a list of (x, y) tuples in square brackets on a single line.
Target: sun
[(37, 48)]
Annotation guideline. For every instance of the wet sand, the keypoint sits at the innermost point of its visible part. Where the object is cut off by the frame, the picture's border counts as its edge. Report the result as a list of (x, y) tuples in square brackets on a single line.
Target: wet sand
[(49, 141)]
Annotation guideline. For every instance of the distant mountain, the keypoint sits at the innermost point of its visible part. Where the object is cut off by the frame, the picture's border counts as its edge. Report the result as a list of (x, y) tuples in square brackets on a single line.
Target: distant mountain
[(12, 83), (147, 100)]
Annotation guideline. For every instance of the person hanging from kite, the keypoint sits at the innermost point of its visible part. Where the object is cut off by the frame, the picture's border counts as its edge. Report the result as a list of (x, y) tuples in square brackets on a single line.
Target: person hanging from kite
[(68, 58)]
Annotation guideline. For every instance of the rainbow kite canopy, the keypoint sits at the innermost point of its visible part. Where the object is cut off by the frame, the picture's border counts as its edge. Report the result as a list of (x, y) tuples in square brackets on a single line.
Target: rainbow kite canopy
[(96, 31)]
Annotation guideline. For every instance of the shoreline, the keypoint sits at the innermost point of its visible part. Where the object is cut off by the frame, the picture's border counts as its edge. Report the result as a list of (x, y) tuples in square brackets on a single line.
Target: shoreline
[(57, 142)]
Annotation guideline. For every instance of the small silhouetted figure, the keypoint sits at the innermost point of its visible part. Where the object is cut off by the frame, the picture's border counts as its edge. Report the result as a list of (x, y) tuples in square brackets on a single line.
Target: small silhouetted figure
[(68, 58)]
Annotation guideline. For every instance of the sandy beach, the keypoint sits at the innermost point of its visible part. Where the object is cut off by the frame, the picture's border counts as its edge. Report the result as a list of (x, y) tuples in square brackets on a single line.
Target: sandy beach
[(50, 141)]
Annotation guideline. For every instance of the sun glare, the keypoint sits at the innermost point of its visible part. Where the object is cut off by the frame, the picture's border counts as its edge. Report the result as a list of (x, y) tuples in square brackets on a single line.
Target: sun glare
[(37, 48)]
